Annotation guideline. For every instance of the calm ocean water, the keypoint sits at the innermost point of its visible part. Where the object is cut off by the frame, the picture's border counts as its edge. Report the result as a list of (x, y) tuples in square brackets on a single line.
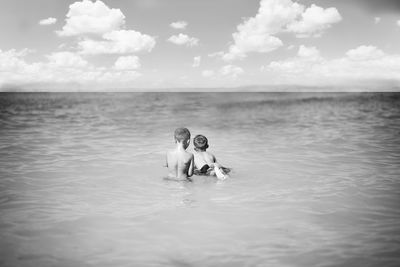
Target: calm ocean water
[(315, 180)]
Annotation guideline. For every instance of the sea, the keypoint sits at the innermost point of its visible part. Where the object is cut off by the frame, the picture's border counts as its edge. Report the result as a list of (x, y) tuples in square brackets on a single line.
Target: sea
[(315, 180)]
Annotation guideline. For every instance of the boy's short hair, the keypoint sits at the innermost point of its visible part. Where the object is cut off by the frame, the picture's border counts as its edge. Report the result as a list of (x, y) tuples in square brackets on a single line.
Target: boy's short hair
[(200, 142), (182, 134)]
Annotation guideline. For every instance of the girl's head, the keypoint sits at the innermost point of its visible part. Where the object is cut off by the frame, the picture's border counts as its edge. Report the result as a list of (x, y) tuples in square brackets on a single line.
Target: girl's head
[(200, 143)]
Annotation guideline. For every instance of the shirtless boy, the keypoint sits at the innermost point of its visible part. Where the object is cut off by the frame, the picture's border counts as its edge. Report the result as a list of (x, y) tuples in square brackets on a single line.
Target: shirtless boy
[(180, 163)]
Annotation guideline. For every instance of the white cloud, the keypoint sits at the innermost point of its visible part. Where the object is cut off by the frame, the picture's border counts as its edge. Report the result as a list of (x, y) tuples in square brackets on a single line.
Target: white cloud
[(48, 21), (227, 71), (180, 25), (216, 54), (377, 20), (127, 63), (308, 52), (60, 67), (254, 43), (398, 23), (207, 73), (231, 70), (12, 59), (183, 39), (118, 78), (90, 20), (66, 59), (118, 42), (196, 61), (362, 63), (256, 34), (365, 52), (306, 58), (89, 17), (314, 20)]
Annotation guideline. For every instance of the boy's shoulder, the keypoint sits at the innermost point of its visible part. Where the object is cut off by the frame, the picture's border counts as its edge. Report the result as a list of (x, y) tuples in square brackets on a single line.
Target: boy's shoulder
[(190, 154), (174, 151)]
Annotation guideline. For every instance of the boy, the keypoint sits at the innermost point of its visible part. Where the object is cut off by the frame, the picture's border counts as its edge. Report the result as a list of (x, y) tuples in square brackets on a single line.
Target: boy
[(180, 163), (205, 162)]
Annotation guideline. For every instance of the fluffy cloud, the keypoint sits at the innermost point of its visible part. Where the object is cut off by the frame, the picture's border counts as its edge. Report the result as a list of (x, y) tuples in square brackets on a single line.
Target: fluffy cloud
[(97, 29), (231, 70), (14, 69), (207, 73), (256, 34), (12, 60), (314, 20), (307, 58), (308, 52), (398, 23), (180, 25), (66, 59), (127, 63), (118, 42), (361, 63), (365, 52), (196, 61), (377, 20), (48, 21), (60, 67), (183, 39), (89, 17)]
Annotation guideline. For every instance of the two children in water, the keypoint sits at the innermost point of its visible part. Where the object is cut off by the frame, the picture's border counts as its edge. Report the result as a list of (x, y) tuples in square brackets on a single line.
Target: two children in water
[(182, 164)]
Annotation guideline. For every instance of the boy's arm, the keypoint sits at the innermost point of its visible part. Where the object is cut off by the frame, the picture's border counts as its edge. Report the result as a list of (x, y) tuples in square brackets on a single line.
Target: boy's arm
[(191, 166), (166, 160)]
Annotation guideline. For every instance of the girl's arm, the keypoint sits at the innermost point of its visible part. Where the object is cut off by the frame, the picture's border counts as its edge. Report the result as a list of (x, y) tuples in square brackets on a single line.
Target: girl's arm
[(191, 167)]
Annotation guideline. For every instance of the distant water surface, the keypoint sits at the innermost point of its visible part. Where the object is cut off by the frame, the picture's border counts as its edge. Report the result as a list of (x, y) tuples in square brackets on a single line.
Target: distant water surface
[(315, 180)]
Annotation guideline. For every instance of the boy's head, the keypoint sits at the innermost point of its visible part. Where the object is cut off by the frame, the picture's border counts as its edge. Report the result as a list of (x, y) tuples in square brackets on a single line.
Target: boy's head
[(182, 135), (200, 142)]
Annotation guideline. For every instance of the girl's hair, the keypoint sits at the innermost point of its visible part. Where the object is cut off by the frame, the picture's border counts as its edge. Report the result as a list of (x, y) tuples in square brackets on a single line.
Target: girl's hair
[(200, 142)]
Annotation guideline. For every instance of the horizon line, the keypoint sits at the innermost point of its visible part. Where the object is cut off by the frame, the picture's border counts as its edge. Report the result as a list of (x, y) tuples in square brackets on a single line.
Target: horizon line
[(371, 86)]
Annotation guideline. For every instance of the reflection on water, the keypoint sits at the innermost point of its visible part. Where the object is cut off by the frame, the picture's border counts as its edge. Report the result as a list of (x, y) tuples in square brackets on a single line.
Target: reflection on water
[(315, 180)]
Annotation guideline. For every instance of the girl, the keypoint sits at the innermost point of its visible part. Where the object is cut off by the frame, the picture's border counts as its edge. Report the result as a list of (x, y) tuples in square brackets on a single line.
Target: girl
[(205, 162)]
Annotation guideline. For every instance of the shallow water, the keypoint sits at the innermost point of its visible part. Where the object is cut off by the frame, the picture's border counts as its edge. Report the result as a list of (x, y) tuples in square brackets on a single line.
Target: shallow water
[(315, 180)]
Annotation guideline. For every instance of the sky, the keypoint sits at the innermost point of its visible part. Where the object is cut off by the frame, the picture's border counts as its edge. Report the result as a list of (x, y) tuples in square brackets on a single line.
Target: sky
[(155, 44)]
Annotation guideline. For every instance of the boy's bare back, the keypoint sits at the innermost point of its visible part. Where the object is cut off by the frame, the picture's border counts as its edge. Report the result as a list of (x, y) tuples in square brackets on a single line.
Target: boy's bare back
[(180, 164)]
